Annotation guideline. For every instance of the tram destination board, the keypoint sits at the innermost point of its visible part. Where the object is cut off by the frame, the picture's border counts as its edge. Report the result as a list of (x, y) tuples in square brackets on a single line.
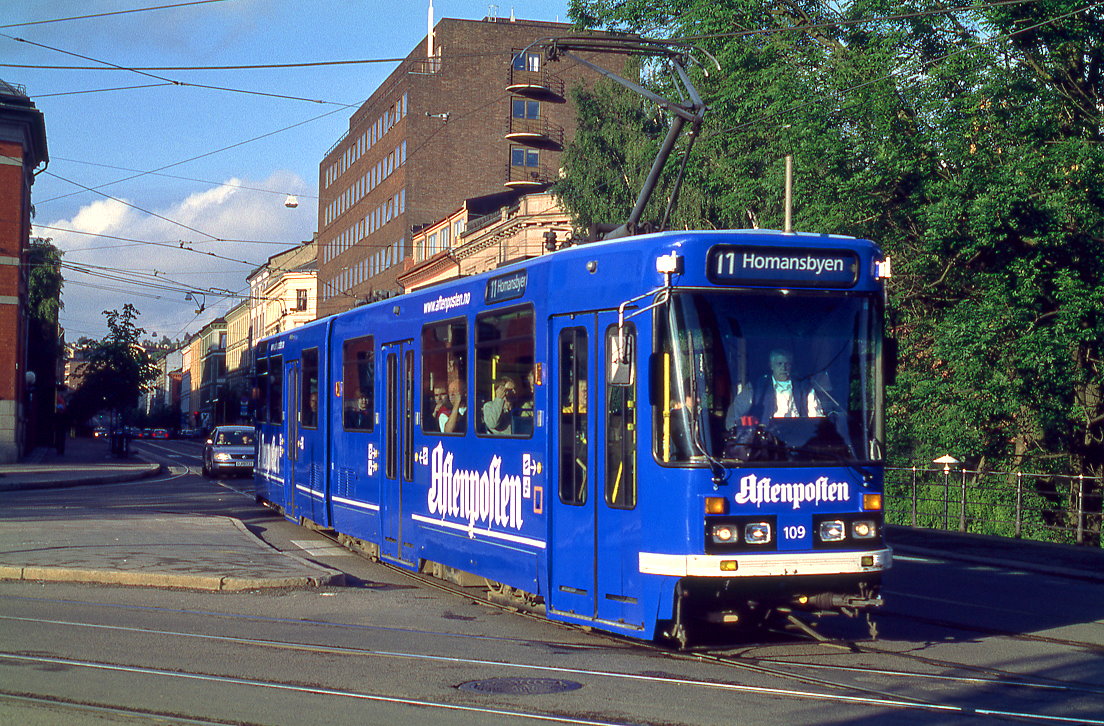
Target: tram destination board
[(782, 266)]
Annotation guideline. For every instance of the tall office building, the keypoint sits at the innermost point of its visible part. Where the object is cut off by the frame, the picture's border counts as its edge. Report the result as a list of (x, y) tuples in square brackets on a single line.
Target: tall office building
[(468, 112)]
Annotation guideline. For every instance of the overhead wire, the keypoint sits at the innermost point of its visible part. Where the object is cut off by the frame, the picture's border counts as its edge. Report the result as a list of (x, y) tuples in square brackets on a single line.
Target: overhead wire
[(110, 13), (184, 178), (171, 81), (200, 156)]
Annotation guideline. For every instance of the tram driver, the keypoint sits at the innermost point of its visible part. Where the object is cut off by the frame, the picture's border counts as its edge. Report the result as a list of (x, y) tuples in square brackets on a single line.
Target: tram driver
[(775, 395)]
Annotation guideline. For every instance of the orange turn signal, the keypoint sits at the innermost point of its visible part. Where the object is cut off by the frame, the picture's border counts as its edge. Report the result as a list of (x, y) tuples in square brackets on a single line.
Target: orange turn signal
[(716, 505), (872, 502)]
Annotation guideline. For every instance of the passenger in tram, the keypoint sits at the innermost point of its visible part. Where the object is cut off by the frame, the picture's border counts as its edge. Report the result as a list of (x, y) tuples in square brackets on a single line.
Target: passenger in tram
[(442, 407), (456, 421), (359, 417), (526, 410), (500, 414), (775, 395)]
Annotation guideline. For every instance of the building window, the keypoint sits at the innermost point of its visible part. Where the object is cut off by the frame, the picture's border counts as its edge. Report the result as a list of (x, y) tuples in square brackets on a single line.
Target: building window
[(520, 156), (525, 109), (527, 62), (300, 300)]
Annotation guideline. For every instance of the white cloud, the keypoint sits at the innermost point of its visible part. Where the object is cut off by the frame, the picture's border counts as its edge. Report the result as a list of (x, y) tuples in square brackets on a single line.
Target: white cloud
[(226, 212)]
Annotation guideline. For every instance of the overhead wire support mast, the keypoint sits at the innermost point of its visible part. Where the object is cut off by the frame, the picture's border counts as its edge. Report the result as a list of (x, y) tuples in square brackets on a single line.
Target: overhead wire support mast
[(690, 109)]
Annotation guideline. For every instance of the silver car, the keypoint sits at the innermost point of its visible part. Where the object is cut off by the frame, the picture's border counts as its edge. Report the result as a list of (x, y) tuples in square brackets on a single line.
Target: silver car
[(229, 449)]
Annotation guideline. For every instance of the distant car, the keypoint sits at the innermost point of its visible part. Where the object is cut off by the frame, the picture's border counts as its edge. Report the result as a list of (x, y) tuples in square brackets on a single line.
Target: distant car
[(229, 449), (99, 432), (160, 433)]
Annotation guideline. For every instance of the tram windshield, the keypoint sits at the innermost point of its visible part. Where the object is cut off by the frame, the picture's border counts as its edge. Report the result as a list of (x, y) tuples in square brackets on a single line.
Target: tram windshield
[(768, 377)]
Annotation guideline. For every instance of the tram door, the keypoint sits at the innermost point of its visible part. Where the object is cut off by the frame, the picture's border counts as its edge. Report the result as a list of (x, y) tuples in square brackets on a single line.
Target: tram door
[(398, 446), (594, 518), (293, 385), (303, 413), (573, 546)]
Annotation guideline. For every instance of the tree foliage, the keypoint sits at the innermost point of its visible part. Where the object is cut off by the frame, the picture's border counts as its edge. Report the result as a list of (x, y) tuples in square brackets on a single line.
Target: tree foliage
[(967, 143), (119, 369), (44, 284)]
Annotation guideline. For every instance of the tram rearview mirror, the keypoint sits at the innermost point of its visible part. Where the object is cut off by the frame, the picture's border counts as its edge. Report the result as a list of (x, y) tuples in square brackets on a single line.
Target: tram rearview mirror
[(621, 360)]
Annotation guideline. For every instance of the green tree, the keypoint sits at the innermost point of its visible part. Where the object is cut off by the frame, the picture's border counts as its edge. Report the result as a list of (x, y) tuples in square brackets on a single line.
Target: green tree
[(968, 143), (44, 285), (119, 369)]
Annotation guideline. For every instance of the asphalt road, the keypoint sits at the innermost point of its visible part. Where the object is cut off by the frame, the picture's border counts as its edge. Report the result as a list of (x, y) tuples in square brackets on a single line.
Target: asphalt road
[(959, 643)]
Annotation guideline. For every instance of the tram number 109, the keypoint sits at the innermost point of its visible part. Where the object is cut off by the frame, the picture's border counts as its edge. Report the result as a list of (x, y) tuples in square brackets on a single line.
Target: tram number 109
[(794, 531)]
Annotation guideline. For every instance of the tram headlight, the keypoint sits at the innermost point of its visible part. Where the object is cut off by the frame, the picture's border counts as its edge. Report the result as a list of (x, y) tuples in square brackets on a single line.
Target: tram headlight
[(832, 530), (222, 456), (864, 529), (757, 533), (723, 533)]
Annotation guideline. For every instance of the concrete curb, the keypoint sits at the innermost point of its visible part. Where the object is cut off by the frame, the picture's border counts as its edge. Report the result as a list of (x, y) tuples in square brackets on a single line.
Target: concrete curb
[(149, 470), (1033, 567), (214, 583)]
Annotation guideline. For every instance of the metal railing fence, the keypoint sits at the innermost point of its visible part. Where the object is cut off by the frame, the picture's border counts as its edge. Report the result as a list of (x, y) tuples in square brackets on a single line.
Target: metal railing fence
[(1059, 508)]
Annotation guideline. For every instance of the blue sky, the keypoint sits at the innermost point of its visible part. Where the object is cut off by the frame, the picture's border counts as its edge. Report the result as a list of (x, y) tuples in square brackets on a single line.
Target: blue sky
[(226, 194)]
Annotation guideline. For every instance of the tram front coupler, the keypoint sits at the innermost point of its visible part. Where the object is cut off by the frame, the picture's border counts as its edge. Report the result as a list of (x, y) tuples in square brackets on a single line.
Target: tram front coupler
[(848, 604)]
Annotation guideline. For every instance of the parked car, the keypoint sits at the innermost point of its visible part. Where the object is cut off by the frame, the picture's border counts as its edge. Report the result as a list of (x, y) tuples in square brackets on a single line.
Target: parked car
[(229, 449)]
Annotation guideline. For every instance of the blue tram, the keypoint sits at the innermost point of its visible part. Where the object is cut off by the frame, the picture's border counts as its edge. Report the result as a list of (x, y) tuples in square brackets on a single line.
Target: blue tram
[(642, 435)]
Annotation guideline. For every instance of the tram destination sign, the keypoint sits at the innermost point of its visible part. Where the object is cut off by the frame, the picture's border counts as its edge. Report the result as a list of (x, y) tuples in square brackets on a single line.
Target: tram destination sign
[(782, 266), (506, 287)]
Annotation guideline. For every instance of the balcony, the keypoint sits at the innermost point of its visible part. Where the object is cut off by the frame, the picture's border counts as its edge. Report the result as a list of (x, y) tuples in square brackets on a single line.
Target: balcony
[(536, 132), (539, 85), (528, 177)]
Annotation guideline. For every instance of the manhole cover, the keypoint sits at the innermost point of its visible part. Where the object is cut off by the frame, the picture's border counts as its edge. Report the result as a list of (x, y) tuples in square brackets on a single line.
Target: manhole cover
[(520, 686)]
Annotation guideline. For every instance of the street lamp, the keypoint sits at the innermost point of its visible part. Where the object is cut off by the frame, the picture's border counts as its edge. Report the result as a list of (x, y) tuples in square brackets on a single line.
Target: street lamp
[(947, 461), (202, 303)]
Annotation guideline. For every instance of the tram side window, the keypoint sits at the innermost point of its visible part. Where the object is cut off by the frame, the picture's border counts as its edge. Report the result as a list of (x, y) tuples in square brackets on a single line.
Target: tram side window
[(572, 405), (620, 428), (276, 389), (408, 416), (260, 390), (391, 408), (445, 377), (504, 373), (308, 415), (358, 360)]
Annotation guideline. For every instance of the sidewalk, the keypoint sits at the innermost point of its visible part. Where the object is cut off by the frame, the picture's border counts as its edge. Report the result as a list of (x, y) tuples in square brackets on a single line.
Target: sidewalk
[(85, 461), (1081, 562), (171, 530)]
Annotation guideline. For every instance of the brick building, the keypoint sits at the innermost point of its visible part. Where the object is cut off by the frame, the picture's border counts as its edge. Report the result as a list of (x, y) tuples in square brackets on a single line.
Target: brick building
[(466, 114), (22, 149)]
